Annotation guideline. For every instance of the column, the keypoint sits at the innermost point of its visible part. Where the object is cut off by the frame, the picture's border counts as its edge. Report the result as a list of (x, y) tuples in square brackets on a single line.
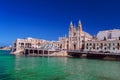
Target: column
[(28, 51), (33, 52), (48, 53), (24, 52), (43, 52)]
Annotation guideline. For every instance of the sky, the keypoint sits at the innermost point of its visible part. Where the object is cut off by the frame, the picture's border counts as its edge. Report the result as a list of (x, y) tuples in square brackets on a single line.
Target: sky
[(50, 19)]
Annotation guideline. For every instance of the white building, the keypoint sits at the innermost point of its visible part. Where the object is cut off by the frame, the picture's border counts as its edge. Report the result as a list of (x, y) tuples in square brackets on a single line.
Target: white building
[(77, 37), (106, 41), (109, 34), (20, 44)]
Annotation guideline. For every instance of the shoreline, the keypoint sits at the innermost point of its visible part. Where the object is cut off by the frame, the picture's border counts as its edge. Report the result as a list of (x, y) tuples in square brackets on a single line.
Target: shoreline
[(5, 49), (109, 58)]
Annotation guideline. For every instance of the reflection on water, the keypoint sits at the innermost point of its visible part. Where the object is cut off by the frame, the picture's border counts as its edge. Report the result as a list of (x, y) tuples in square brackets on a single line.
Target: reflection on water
[(40, 67), (57, 68)]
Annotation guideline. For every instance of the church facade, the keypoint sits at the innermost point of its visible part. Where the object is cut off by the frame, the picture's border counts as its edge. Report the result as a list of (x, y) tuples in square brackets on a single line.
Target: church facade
[(76, 38)]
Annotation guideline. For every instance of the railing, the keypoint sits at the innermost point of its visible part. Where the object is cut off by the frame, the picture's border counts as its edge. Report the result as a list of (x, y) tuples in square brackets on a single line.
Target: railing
[(42, 49)]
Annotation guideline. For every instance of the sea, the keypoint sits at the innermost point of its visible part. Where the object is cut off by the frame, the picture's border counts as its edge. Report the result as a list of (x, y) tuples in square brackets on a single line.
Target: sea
[(56, 68)]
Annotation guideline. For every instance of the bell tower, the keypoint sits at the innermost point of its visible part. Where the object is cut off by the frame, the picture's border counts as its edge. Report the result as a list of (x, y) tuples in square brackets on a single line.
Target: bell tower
[(80, 27), (71, 29), (79, 38)]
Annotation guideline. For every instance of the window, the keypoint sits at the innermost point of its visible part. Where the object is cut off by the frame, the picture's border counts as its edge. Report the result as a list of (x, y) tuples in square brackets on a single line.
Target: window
[(67, 41), (118, 44), (74, 34), (113, 44), (105, 48), (101, 44), (118, 48), (105, 44), (109, 35), (86, 47), (109, 44), (82, 40), (97, 48), (93, 45), (87, 44), (90, 44), (113, 48)]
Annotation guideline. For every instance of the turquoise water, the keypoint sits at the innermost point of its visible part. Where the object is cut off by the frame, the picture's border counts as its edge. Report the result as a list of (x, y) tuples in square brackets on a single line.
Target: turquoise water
[(56, 68)]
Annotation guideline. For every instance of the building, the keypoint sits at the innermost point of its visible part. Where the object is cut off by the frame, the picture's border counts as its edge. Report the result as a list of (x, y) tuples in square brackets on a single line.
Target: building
[(109, 34), (105, 41), (76, 38), (75, 41), (63, 43), (20, 44)]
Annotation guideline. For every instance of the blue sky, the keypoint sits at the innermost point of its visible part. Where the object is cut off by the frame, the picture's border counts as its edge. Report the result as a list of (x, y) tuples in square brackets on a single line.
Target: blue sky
[(49, 19)]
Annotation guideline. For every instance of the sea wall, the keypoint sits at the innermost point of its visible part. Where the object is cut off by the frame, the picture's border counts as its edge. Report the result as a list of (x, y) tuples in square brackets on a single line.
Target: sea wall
[(95, 56)]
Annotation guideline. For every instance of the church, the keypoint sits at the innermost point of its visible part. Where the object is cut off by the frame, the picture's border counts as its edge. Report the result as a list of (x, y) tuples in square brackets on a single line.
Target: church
[(76, 38)]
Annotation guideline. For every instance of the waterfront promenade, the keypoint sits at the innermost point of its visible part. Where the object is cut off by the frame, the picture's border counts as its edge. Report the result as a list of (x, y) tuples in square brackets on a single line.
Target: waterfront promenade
[(94, 55), (92, 52), (43, 52)]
